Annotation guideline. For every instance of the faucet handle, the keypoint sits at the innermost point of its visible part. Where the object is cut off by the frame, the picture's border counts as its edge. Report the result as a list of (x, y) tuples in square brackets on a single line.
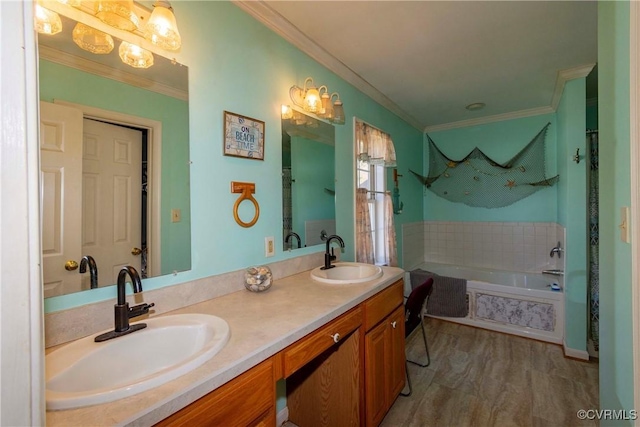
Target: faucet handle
[(140, 309)]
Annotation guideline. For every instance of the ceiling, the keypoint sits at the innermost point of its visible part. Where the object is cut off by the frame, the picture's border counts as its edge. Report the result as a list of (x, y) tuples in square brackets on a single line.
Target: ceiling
[(427, 60)]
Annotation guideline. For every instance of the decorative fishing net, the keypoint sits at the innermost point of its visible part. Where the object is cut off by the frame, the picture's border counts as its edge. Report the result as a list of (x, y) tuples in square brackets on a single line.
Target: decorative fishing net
[(479, 181)]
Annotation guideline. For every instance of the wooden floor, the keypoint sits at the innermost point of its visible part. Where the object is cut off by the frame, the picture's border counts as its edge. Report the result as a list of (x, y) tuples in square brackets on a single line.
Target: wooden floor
[(484, 378)]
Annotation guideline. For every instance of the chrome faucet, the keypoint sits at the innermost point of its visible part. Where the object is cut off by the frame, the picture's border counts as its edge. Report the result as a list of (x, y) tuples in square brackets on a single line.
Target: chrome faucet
[(93, 269), (329, 256), (292, 234), (557, 250), (122, 312)]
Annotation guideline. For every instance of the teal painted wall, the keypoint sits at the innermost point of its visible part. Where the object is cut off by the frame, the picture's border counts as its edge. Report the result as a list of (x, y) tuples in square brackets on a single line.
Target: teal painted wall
[(312, 169), (500, 141), (616, 327), (68, 84), (237, 64), (572, 209)]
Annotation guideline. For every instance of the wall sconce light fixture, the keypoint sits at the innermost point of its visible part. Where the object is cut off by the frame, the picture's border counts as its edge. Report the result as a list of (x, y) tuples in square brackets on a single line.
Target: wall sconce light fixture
[(318, 101), (119, 17)]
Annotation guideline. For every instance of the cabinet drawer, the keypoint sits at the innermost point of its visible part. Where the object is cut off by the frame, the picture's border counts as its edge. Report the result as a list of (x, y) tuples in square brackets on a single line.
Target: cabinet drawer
[(306, 349), (379, 306), (247, 400)]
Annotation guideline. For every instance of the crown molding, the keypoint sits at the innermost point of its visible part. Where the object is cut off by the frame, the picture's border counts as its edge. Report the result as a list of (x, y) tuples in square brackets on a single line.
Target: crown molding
[(261, 11), (101, 70), (564, 76), (490, 119)]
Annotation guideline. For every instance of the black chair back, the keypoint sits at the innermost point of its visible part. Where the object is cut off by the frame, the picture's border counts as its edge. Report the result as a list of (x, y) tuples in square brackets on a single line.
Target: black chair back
[(414, 304)]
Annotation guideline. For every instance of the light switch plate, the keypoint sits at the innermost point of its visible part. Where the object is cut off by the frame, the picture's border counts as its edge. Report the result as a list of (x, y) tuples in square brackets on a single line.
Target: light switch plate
[(269, 247), (625, 232)]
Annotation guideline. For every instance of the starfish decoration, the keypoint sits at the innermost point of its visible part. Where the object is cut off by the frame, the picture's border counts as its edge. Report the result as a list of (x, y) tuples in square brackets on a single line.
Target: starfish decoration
[(452, 164), (510, 183)]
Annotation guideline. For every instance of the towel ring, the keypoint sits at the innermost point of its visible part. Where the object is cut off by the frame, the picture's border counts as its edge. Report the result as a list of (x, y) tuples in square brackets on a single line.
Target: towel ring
[(246, 189)]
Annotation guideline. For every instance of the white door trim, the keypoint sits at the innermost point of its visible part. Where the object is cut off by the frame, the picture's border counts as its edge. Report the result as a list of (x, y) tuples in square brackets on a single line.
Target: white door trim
[(154, 148), (21, 329), (634, 146)]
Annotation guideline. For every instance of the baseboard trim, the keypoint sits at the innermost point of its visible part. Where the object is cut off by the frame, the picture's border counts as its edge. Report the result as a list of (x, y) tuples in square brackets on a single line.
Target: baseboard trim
[(573, 353), (282, 416)]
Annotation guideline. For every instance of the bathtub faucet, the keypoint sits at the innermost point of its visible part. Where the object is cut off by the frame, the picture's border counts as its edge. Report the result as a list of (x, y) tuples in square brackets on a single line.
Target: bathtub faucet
[(557, 250)]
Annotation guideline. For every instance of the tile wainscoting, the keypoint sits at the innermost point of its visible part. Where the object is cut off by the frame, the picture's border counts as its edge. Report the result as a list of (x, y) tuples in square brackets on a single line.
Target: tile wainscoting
[(512, 246)]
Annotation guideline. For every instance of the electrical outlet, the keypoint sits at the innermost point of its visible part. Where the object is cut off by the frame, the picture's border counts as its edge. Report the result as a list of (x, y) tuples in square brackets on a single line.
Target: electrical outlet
[(269, 247), (175, 215)]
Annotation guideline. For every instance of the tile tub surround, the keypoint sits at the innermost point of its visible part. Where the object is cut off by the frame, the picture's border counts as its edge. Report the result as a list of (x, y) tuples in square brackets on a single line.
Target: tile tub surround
[(261, 325), (68, 325), (511, 246)]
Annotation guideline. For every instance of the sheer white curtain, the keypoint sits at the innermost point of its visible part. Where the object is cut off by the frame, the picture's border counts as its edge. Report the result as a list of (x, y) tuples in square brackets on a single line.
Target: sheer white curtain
[(374, 146), (364, 243), (389, 232)]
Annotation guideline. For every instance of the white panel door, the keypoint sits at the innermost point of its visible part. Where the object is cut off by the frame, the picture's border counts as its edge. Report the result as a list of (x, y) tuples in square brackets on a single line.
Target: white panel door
[(61, 193), (112, 197)]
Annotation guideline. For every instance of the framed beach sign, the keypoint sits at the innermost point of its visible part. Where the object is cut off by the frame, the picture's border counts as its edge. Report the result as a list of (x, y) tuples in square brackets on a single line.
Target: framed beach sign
[(243, 136)]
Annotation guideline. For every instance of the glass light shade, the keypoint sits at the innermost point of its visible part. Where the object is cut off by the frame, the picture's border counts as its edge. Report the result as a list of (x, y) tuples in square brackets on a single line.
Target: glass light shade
[(135, 56), (162, 29), (327, 107), (117, 13), (92, 40), (338, 113), (46, 21), (312, 101)]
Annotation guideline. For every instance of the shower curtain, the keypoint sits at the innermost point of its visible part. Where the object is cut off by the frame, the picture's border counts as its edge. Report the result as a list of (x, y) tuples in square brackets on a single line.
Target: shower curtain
[(594, 266)]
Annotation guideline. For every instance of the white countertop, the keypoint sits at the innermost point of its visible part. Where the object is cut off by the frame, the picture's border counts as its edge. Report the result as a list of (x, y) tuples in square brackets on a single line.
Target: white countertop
[(261, 325)]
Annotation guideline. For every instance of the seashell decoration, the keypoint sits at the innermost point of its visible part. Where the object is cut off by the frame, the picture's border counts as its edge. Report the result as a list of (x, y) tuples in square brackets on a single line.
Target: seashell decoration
[(258, 278)]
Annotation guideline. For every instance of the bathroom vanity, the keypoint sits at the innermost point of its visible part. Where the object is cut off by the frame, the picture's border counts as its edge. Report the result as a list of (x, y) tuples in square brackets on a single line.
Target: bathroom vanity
[(339, 348)]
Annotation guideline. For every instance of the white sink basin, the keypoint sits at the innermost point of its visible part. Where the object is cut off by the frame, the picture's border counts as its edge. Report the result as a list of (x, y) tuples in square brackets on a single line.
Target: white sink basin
[(87, 373), (346, 272)]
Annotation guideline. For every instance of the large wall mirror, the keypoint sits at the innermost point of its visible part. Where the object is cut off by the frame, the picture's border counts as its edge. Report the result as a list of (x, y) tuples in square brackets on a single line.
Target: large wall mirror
[(308, 181), (114, 147)]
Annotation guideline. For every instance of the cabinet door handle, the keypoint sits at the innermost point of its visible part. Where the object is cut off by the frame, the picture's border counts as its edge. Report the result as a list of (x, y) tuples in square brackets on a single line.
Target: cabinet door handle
[(336, 337), (393, 324)]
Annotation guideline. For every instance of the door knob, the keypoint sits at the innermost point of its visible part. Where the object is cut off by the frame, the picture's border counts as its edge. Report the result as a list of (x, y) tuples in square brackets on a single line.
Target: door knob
[(336, 337), (136, 251), (70, 265), (393, 324)]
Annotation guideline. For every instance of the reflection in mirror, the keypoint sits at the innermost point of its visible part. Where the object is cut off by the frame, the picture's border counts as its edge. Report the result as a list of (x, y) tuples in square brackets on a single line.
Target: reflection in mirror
[(308, 181), (114, 145)]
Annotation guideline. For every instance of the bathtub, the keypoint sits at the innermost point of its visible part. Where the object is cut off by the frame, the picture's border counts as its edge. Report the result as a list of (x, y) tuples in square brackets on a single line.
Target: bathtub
[(516, 303)]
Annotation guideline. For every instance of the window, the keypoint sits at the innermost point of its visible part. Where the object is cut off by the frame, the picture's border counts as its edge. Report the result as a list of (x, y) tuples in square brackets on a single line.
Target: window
[(372, 178), (374, 152)]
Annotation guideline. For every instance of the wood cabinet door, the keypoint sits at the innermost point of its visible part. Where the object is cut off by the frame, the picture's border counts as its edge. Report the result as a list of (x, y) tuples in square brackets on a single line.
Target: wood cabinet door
[(376, 376), (397, 365)]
